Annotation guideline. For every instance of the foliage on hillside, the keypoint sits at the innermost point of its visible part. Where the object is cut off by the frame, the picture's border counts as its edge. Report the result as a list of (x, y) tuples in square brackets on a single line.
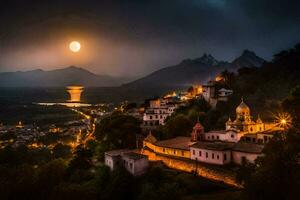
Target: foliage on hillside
[(28, 175), (276, 175)]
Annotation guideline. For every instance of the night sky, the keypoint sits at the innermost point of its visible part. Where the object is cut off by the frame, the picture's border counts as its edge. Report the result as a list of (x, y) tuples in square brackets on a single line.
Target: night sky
[(132, 38)]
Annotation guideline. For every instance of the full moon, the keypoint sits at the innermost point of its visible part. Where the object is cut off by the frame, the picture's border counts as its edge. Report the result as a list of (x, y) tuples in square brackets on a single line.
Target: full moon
[(74, 46)]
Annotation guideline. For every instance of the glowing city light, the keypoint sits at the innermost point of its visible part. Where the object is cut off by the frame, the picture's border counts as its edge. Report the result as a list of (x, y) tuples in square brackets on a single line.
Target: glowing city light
[(283, 120)]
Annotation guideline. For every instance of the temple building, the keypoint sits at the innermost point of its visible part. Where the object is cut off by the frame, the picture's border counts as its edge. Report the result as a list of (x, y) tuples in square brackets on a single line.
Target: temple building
[(243, 121), (242, 140)]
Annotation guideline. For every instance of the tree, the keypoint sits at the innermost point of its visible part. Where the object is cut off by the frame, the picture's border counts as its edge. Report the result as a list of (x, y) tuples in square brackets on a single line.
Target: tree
[(49, 176), (61, 151), (179, 125), (118, 131), (120, 186), (276, 175), (228, 78), (292, 105)]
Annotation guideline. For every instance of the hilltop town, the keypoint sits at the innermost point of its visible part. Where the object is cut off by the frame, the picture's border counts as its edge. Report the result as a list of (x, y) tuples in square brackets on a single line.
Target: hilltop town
[(241, 141), (223, 139)]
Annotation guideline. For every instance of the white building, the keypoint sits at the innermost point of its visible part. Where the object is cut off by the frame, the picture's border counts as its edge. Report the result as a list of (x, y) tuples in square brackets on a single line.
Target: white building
[(212, 152), (238, 143), (242, 152), (230, 135), (158, 112), (212, 95), (223, 94), (134, 163)]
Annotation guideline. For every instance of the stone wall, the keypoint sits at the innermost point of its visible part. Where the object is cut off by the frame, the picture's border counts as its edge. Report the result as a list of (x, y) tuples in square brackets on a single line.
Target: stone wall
[(215, 173)]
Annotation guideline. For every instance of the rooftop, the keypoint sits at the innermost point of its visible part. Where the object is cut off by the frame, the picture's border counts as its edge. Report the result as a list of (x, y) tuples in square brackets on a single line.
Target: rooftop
[(219, 146), (218, 132), (134, 156), (176, 143), (117, 152), (150, 138), (248, 147)]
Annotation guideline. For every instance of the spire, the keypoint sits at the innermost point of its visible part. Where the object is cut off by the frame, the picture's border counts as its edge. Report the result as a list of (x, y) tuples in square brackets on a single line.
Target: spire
[(150, 138), (258, 119), (229, 120), (197, 133)]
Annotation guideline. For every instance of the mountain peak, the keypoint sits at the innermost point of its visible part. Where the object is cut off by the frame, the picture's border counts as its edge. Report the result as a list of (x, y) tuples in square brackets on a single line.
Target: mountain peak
[(207, 59), (71, 75), (75, 68), (247, 52), (248, 59)]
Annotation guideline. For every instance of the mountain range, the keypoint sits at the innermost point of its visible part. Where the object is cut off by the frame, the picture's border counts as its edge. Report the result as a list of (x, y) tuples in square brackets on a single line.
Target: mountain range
[(189, 71), (57, 78), (195, 71)]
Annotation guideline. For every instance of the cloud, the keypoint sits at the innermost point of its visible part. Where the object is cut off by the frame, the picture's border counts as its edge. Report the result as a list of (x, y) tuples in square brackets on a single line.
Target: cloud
[(142, 35)]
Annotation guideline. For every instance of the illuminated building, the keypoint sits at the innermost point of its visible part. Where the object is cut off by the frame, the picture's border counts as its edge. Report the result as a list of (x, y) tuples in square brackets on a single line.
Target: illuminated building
[(195, 90), (244, 123), (219, 78), (20, 125), (157, 112), (218, 147), (75, 93), (212, 96)]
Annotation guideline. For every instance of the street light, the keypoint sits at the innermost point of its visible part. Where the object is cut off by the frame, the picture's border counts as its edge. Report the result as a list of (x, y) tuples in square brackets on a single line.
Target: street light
[(283, 120)]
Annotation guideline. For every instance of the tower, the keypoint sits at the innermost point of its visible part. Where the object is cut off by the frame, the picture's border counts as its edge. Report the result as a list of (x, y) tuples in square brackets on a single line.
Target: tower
[(198, 132), (75, 93)]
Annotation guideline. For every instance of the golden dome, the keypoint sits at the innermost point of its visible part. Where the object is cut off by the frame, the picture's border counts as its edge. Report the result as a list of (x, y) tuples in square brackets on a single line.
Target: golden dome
[(243, 108)]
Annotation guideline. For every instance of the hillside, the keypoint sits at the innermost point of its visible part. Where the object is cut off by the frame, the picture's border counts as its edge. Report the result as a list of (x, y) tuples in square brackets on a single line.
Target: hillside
[(195, 71), (265, 87), (57, 78)]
